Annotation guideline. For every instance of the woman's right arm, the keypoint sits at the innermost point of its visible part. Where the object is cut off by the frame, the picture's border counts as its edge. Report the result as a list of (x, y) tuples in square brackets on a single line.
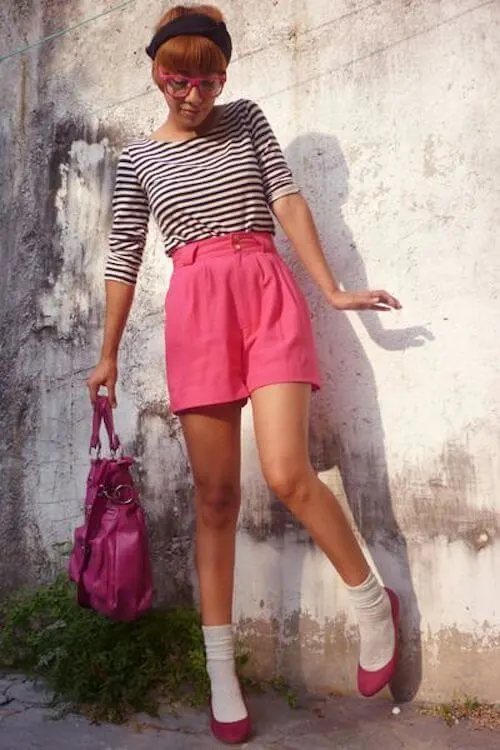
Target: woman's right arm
[(126, 245), (119, 298)]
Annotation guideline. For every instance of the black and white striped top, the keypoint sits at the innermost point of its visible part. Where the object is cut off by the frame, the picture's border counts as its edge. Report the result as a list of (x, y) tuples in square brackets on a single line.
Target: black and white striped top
[(206, 187)]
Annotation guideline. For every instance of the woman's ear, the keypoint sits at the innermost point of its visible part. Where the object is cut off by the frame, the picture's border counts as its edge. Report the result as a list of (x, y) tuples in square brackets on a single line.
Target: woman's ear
[(155, 69)]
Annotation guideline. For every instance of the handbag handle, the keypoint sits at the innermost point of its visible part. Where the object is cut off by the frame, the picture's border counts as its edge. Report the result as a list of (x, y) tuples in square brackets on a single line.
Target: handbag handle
[(103, 412)]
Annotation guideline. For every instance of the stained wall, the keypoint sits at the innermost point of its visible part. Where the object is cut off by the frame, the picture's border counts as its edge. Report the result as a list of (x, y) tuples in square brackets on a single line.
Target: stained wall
[(388, 113)]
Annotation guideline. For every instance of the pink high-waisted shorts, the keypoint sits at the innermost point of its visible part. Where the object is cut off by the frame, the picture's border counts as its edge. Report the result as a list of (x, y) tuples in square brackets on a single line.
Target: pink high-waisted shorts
[(235, 320)]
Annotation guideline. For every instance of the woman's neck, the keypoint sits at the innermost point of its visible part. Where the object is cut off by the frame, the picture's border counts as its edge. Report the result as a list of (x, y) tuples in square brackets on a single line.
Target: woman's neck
[(172, 131)]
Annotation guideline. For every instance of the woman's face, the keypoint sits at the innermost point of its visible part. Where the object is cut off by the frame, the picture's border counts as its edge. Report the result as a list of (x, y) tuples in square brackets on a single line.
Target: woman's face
[(191, 96)]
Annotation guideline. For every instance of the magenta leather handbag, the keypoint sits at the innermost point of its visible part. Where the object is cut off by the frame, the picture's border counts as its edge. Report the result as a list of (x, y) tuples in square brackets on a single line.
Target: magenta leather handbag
[(110, 560)]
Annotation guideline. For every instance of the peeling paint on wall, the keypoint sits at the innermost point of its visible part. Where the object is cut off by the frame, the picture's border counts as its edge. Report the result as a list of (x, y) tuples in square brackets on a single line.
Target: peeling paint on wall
[(388, 115), (169, 502)]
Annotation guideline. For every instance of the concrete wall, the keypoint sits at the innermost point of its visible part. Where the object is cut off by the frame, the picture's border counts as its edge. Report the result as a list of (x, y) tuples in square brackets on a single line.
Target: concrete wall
[(389, 114)]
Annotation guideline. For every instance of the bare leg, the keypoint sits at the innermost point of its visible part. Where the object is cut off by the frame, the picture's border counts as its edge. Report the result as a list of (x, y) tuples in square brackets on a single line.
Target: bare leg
[(281, 415), (281, 418), (213, 442)]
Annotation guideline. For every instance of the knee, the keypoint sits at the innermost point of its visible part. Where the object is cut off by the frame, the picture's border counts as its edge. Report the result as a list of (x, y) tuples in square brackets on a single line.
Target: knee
[(293, 486), (217, 504)]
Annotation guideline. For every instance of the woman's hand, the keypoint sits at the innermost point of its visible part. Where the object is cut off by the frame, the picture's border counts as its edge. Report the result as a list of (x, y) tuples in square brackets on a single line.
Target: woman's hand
[(104, 373), (379, 300)]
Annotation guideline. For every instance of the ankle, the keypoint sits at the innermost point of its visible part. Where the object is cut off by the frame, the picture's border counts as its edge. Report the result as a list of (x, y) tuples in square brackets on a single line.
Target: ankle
[(227, 702), (369, 595), (219, 642)]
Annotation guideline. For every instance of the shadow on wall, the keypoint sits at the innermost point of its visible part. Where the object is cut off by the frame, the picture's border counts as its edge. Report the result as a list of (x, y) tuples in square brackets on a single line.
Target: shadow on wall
[(346, 425)]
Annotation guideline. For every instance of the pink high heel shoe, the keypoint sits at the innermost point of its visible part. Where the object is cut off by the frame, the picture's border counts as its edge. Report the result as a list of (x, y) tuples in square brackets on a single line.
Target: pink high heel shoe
[(231, 732), (370, 683)]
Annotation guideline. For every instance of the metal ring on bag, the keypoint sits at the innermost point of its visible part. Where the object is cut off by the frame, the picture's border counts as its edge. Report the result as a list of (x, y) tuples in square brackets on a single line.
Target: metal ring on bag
[(113, 496)]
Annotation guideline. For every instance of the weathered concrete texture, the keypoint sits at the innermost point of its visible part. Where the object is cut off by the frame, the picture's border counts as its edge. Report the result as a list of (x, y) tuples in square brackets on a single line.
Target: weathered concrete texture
[(389, 116), (345, 724)]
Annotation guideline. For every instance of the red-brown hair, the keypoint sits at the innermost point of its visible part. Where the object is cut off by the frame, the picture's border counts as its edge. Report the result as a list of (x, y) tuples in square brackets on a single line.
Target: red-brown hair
[(193, 53)]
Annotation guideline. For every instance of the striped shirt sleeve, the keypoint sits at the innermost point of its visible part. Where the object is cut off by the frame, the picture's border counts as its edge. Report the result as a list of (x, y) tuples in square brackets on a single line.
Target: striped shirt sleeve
[(130, 224), (276, 174)]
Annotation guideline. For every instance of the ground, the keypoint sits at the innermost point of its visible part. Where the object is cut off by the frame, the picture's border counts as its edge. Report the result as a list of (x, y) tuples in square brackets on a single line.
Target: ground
[(27, 722)]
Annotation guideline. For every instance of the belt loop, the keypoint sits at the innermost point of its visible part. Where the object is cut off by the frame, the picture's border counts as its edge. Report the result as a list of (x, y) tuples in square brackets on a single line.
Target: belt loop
[(193, 254), (266, 242), (186, 255)]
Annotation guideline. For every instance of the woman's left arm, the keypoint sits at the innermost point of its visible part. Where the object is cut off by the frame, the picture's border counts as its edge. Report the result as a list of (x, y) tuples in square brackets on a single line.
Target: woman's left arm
[(296, 220)]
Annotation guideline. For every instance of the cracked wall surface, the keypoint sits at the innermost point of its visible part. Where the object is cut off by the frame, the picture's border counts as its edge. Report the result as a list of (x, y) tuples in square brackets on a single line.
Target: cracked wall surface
[(388, 113)]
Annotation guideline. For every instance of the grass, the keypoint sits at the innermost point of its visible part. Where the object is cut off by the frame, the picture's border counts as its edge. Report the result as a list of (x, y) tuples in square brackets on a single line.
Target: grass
[(481, 715), (277, 685), (107, 669), (111, 670), (280, 686)]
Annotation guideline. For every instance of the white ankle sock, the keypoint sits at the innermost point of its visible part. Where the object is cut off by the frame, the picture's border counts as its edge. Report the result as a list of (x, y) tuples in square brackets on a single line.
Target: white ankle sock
[(376, 629), (227, 702)]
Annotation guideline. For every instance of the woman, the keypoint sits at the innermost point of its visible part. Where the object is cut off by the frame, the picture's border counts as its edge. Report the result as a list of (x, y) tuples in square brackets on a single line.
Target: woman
[(237, 327)]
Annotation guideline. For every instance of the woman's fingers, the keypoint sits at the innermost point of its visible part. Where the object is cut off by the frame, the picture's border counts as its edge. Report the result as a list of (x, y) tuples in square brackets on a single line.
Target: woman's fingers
[(92, 387), (382, 296), (104, 374), (110, 385), (378, 300)]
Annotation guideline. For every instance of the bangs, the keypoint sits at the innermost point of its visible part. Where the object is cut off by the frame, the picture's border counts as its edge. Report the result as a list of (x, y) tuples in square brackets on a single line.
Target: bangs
[(191, 53)]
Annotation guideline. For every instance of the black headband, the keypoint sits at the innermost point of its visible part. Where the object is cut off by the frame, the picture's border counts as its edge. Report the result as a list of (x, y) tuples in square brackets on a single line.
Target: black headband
[(195, 24)]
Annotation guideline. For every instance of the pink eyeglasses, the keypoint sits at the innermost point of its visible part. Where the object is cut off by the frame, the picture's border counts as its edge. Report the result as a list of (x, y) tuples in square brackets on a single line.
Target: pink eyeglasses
[(179, 86)]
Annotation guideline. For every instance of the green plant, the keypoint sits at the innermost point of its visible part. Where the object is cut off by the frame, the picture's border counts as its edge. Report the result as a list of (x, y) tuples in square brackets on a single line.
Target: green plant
[(280, 686), (483, 715), (109, 669)]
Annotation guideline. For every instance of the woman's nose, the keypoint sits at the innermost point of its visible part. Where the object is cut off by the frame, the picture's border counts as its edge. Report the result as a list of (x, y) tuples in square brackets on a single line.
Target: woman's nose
[(194, 96)]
